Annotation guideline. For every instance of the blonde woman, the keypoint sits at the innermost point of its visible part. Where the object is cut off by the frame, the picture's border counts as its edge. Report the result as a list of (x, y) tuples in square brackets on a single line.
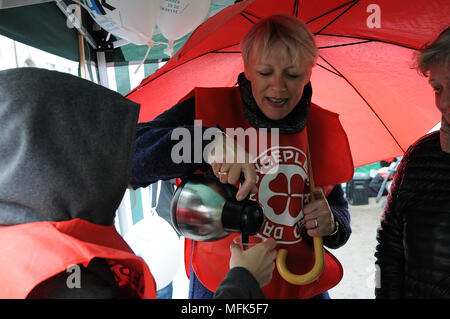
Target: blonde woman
[(273, 96)]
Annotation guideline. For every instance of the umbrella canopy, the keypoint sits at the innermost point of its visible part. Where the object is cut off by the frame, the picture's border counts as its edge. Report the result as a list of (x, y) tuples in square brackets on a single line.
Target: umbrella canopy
[(364, 72)]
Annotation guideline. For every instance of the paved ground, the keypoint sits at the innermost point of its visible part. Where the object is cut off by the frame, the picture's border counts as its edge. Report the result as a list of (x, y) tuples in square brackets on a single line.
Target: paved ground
[(356, 257)]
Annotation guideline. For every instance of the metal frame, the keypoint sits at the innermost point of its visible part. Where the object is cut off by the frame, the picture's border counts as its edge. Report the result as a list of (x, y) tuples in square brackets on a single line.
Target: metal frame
[(101, 60), (76, 23)]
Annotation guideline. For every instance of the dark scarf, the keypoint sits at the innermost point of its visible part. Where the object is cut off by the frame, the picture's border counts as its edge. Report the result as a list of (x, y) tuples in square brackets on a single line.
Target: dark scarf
[(293, 123)]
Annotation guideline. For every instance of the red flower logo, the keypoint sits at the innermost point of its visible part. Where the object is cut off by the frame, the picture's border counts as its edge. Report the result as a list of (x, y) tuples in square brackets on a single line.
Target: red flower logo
[(287, 194)]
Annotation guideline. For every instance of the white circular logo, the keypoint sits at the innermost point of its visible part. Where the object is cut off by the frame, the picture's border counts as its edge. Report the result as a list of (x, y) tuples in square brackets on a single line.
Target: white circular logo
[(281, 182)]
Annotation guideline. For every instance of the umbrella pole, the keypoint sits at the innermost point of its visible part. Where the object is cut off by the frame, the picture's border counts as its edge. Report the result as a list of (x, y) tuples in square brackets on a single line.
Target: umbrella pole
[(319, 262)]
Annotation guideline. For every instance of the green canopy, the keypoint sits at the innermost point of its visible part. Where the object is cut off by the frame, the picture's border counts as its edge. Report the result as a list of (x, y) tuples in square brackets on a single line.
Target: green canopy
[(44, 26)]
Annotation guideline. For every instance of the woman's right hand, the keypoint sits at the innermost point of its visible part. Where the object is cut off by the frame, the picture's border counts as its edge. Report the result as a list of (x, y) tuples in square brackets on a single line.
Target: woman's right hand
[(230, 173), (228, 161)]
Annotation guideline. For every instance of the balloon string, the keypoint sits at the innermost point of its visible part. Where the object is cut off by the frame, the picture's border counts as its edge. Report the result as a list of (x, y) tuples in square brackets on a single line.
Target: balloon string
[(150, 46)]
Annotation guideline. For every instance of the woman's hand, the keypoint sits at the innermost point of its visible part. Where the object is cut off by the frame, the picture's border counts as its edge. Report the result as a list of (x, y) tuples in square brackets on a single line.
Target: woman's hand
[(230, 173), (259, 260), (319, 220), (228, 161)]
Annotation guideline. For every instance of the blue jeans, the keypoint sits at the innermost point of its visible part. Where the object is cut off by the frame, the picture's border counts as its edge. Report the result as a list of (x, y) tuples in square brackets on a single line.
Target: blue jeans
[(165, 293), (196, 288)]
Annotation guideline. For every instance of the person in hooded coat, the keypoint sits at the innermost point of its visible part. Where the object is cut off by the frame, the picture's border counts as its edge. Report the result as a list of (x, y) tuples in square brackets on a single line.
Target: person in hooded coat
[(67, 146)]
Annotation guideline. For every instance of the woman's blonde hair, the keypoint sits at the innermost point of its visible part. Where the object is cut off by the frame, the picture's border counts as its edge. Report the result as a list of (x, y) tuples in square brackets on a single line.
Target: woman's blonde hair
[(285, 29), (436, 52)]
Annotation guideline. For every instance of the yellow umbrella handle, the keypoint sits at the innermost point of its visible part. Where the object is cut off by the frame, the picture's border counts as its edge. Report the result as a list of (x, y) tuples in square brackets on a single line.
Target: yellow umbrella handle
[(317, 269), (310, 276)]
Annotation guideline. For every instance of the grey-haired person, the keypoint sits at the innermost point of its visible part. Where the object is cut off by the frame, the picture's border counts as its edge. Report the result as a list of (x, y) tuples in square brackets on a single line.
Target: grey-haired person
[(412, 254)]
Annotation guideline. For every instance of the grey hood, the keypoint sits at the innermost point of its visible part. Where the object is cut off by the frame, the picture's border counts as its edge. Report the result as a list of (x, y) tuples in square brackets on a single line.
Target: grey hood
[(66, 146)]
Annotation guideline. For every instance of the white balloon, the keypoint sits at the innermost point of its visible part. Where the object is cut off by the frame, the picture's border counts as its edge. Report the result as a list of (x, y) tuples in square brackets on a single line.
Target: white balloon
[(153, 239), (131, 20), (177, 18)]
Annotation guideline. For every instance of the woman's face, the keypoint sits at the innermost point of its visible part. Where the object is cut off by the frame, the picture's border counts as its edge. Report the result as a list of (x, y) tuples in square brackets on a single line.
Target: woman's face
[(440, 82), (277, 82)]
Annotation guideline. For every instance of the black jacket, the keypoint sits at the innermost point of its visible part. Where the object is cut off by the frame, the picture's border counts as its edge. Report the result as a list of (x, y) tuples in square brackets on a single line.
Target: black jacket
[(239, 283), (413, 252)]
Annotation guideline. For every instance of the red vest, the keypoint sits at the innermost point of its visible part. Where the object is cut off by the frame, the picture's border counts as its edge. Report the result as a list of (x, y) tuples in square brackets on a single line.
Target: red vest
[(282, 192), (34, 252)]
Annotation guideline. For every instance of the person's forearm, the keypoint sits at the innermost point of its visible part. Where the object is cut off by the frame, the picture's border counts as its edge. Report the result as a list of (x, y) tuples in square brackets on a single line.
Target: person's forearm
[(239, 283), (169, 146), (157, 157)]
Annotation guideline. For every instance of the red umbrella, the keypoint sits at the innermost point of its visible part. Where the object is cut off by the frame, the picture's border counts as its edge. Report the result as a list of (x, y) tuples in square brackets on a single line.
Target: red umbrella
[(363, 73)]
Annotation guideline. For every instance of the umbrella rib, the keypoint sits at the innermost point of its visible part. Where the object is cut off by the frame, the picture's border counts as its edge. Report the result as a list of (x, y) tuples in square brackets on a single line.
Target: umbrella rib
[(295, 9), (247, 18), (340, 15), (365, 101), (374, 40), (346, 44), (335, 70), (251, 14), (330, 11), (324, 67)]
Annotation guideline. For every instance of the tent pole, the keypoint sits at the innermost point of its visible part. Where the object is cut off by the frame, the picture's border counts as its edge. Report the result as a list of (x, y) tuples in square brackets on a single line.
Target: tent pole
[(15, 53), (82, 56), (81, 44), (102, 72)]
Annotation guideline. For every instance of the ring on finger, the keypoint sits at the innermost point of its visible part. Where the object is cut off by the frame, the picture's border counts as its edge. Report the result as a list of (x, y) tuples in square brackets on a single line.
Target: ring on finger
[(316, 223), (223, 173)]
